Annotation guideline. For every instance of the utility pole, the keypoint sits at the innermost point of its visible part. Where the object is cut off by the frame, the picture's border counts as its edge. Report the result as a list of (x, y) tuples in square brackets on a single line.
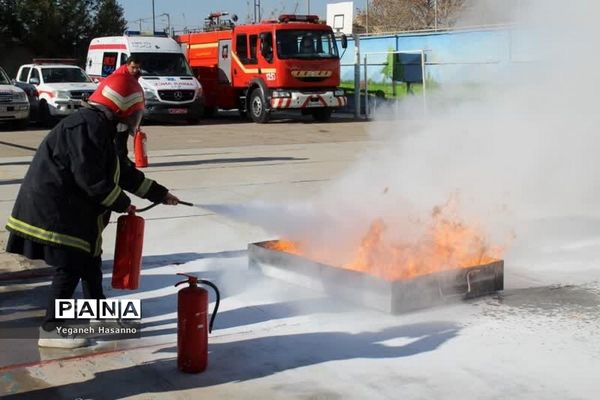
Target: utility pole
[(308, 7), (367, 17), (153, 19), (357, 76), (168, 22), (139, 21), (435, 15), (256, 11)]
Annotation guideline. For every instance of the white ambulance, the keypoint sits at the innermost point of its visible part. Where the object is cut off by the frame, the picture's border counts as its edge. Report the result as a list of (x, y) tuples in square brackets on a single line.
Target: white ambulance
[(170, 88)]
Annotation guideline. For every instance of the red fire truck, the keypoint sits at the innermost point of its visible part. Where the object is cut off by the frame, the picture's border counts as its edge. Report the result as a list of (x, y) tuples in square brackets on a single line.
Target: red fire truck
[(288, 64)]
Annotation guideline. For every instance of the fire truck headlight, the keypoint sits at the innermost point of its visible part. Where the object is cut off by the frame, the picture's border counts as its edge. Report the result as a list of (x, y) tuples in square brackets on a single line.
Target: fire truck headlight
[(63, 94), (199, 91), (280, 94), (339, 92)]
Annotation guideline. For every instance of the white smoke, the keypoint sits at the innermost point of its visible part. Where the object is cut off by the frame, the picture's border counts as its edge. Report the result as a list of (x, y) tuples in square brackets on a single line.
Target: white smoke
[(521, 146)]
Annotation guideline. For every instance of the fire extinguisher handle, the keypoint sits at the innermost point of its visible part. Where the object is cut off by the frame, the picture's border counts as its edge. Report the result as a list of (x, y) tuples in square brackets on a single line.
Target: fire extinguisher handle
[(191, 279), (179, 283), (218, 300)]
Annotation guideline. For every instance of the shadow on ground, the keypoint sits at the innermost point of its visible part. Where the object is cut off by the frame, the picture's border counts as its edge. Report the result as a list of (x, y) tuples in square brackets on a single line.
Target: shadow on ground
[(22, 303), (248, 359), (224, 161)]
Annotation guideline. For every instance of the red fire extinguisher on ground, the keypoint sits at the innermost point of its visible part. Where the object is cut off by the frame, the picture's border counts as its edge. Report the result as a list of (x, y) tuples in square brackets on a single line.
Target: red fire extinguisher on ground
[(192, 316), (139, 149), (128, 251)]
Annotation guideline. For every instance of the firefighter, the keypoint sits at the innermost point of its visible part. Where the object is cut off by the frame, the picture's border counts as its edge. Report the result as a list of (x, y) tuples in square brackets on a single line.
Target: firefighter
[(132, 66), (76, 178)]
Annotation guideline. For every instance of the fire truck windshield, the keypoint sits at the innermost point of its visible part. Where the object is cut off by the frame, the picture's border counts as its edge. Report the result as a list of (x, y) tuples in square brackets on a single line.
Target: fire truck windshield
[(306, 44), (163, 64)]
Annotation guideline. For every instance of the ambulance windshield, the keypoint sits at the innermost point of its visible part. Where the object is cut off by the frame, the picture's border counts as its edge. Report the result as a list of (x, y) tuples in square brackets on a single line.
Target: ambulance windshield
[(315, 44), (163, 64)]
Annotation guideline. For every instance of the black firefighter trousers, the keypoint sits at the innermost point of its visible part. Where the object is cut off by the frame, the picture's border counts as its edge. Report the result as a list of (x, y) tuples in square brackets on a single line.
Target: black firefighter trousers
[(88, 270)]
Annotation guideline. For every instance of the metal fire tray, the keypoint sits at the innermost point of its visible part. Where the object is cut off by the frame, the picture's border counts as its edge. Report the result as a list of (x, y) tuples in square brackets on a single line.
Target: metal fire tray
[(394, 297)]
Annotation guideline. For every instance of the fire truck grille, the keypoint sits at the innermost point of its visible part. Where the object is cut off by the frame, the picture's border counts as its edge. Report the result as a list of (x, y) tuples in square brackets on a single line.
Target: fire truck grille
[(176, 95), (311, 79), (81, 94), (6, 97)]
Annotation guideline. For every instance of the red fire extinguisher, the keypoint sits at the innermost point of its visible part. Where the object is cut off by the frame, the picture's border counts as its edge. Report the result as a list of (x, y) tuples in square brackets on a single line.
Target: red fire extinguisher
[(128, 251), (192, 316), (128, 248), (139, 149)]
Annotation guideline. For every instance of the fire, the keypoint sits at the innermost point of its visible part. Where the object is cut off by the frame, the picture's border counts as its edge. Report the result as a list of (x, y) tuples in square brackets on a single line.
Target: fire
[(446, 243), (284, 245)]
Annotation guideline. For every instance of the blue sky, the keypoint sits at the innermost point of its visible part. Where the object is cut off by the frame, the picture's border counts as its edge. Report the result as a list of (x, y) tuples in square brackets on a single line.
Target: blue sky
[(191, 13)]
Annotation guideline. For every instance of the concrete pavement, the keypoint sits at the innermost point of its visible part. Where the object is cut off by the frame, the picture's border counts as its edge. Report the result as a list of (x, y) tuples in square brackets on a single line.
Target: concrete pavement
[(217, 163), (274, 340)]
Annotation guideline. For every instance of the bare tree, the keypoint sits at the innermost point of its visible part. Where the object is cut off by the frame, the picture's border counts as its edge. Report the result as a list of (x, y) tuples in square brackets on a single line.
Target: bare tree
[(400, 15), (436, 13)]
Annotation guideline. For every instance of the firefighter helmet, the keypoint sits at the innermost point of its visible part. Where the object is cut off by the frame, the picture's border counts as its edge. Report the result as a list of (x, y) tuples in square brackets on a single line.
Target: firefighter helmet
[(123, 95)]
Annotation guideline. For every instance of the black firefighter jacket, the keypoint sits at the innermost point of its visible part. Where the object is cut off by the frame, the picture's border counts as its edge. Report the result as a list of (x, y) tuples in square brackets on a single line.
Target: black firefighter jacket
[(76, 178)]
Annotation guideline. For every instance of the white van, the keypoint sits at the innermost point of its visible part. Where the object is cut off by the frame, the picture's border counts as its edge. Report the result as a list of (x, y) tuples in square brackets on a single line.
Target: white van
[(170, 88)]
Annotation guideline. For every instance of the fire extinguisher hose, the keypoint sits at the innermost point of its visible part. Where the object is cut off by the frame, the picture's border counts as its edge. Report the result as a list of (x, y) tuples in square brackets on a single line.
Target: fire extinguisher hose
[(217, 301), (185, 203), (193, 281)]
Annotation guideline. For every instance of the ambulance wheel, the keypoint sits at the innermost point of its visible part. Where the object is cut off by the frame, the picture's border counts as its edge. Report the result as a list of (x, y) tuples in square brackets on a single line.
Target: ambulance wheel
[(322, 114), (209, 112), (258, 108)]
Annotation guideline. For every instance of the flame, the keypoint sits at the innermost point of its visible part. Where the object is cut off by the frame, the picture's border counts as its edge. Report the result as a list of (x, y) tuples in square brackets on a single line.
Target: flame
[(286, 246), (446, 242)]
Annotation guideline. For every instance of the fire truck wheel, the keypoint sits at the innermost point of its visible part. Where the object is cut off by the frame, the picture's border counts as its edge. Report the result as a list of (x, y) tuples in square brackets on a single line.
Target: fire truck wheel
[(258, 109), (322, 114)]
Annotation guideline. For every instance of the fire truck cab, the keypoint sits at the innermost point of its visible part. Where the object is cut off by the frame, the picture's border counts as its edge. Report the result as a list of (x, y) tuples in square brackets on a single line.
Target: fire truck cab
[(287, 64)]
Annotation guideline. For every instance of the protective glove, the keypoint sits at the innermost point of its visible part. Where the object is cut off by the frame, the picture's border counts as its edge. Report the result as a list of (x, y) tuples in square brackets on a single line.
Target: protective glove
[(170, 199)]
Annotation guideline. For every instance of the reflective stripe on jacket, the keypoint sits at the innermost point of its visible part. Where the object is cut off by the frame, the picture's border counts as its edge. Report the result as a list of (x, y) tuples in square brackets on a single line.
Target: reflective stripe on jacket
[(76, 178)]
